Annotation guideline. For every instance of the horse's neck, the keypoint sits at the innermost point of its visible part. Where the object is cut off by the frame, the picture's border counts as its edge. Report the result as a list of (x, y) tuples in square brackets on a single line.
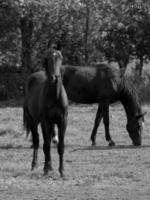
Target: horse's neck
[(58, 87), (54, 88), (130, 103)]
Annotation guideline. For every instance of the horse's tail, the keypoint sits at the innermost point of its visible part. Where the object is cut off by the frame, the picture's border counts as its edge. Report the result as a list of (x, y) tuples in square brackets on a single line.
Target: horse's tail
[(26, 120)]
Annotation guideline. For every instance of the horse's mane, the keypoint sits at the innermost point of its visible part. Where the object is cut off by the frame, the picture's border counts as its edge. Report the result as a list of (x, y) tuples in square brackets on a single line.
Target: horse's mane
[(129, 94)]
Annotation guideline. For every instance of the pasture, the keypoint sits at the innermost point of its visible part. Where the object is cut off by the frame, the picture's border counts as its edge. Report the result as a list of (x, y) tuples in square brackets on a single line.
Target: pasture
[(91, 173)]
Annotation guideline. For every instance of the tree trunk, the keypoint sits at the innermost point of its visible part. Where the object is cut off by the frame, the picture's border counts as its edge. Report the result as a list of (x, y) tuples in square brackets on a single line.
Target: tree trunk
[(86, 32), (26, 26), (122, 66), (139, 66)]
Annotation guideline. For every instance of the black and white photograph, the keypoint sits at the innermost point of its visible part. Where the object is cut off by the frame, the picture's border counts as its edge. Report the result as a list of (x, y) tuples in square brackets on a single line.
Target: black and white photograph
[(74, 100)]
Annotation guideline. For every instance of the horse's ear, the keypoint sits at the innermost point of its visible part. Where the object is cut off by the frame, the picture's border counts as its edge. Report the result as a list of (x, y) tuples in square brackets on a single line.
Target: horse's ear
[(144, 113), (56, 45), (59, 46), (53, 46), (141, 115), (49, 43), (45, 64)]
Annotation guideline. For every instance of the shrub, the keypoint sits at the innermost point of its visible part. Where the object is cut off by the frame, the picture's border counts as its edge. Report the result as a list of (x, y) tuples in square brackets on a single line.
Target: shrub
[(142, 85)]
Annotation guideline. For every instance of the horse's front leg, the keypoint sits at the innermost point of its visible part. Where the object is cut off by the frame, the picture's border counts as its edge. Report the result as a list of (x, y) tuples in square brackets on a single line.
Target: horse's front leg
[(47, 134), (96, 125), (61, 134), (105, 110)]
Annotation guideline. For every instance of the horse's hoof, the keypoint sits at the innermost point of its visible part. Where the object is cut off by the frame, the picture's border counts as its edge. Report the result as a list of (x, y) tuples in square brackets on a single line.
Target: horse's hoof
[(93, 144), (46, 173), (111, 143), (61, 171), (47, 168), (61, 174), (34, 165)]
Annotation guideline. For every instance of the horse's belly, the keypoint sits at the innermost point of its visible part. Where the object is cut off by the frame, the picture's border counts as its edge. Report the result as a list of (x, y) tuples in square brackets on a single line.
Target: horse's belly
[(82, 98), (82, 94)]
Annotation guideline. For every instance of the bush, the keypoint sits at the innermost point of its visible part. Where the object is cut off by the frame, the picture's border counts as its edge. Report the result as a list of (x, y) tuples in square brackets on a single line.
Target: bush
[(3, 93), (142, 85), (11, 84)]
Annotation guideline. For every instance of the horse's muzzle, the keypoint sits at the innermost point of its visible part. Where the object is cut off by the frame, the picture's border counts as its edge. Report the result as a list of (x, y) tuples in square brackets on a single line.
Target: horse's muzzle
[(137, 143)]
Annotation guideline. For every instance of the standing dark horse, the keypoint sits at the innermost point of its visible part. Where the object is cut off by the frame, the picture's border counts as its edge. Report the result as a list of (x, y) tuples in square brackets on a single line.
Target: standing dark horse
[(101, 84), (46, 103)]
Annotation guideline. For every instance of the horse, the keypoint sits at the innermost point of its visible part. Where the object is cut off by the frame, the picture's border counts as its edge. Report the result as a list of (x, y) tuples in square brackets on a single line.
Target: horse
[(103, 85), (46, 103)]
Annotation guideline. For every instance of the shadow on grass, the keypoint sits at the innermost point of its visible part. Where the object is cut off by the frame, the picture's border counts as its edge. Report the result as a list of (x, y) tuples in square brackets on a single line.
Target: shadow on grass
[(10, 146), (73, 148), (104, 148)]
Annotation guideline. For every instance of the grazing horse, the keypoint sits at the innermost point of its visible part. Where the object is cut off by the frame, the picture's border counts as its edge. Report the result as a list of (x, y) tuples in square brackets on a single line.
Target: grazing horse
[(103, 85), (46, 103)]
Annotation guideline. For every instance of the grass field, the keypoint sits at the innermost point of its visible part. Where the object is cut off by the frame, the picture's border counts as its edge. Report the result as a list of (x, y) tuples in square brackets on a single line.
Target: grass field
[(99, 173)]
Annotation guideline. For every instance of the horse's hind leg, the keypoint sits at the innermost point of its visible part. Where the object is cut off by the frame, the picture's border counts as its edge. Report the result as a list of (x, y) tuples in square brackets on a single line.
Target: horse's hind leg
[(35, 140), (47, 131), (96, 124), (105, 109), (61, 134)]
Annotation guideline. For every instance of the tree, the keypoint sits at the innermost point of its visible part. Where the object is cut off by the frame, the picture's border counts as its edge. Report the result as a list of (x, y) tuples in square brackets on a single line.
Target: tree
[(26, 26), (124, 33), (87, 30), (139, 33), (9, 48)]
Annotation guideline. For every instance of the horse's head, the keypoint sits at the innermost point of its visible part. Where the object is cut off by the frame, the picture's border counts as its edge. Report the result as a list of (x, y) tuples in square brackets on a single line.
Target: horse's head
[(53, 62), (135, 129)]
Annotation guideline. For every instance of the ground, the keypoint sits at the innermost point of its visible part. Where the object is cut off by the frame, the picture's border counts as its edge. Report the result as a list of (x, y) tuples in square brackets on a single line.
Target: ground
[(91, 173)]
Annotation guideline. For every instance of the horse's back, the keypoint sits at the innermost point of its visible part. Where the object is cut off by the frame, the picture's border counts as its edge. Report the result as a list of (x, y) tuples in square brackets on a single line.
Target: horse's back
[(99, 73), (88, 84)]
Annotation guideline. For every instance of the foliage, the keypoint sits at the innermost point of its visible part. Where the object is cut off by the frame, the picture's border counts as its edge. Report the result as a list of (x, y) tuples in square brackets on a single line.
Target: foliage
[(9, 31), (88, 31), (124, 33), (11, 83)]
